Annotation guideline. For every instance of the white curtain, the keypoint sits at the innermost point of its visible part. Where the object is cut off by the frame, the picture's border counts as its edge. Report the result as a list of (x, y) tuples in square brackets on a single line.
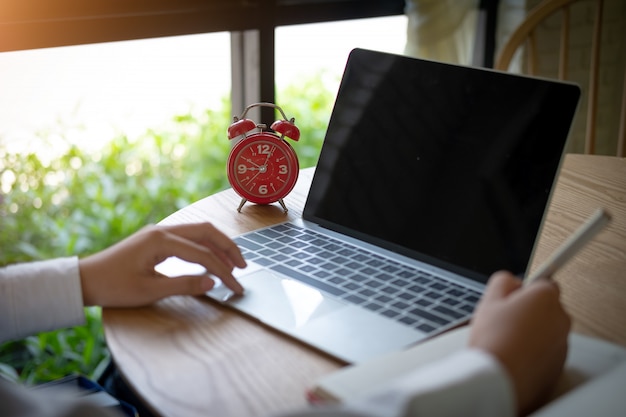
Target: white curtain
[(441, 30), (445, 30)]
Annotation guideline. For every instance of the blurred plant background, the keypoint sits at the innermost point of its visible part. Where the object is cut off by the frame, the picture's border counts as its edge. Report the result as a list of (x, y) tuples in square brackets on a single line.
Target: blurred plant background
[(78, 201)]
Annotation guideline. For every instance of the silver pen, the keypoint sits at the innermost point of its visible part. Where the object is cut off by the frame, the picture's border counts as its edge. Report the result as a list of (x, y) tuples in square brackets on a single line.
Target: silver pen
[(571, 246)]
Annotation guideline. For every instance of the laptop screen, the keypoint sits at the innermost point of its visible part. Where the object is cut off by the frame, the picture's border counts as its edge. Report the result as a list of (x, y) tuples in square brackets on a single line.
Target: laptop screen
[(447, 164)]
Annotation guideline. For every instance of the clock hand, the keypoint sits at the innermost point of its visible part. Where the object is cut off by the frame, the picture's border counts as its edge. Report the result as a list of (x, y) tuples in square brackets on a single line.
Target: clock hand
[(267, 158), (261, 168), (255, 175), (252, 162)]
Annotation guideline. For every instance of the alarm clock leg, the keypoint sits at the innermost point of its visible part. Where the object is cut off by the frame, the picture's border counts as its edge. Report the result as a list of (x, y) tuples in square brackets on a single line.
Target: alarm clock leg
[(282, 203), (243, 201)]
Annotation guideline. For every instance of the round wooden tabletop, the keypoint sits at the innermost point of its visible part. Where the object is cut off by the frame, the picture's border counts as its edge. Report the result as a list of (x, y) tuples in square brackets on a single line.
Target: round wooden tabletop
[(188, 356)]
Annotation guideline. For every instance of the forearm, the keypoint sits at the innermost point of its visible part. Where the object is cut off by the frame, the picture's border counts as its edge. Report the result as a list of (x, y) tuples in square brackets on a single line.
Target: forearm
[(39, 296)]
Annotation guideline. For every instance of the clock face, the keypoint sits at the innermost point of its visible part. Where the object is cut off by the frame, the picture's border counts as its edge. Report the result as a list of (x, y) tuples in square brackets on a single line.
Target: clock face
[(262, 168)]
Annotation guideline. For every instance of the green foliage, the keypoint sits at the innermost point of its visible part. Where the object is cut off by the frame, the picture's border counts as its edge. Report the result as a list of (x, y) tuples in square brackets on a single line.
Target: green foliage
[(311, 104), (78, 202), (53, 355)]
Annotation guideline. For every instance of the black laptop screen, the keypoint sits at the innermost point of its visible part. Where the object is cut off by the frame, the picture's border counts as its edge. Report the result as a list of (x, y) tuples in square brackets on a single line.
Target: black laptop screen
[(452, 165)]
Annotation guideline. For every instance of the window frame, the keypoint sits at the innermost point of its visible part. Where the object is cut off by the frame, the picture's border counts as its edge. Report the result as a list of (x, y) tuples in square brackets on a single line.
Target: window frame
[(32, 24)]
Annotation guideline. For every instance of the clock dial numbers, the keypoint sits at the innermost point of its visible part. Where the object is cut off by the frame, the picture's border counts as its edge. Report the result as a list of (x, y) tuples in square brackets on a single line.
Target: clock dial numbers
[(263, 168)]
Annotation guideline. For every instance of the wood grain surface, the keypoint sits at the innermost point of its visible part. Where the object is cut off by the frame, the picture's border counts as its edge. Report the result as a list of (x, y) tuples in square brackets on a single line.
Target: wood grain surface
[(593, 284), (186, 356)]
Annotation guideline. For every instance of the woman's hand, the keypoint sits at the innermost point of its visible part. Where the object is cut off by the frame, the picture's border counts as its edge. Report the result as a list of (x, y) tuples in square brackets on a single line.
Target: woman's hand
[(526, 329), (124, 276)]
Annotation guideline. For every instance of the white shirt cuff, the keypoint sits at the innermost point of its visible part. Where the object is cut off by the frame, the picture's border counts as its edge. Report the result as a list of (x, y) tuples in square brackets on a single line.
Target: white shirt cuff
[(468, 383)]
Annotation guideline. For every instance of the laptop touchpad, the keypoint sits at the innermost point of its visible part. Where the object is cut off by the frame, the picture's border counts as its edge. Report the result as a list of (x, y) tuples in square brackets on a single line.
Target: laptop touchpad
[(281, 302)]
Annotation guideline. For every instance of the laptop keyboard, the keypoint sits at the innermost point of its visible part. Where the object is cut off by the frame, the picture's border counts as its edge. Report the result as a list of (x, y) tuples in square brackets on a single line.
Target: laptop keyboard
[(355, 275)]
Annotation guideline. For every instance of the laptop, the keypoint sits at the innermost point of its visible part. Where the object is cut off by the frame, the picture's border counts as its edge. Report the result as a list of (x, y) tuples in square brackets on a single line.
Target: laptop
[(431, 177)]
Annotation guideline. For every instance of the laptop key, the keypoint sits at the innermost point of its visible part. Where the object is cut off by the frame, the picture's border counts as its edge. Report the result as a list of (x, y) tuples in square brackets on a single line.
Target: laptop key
[(416, 289), (351, 286), (389, 290), (425, 327), (320, 285), (301, 255), (353, 265), (472, 299), (264, 261), (339, 259), (248, 244), (383, 298), (329, 266), (390, 268), (308, 237), (279, 257), (307, 268), (269, 233), (275, 245), (360, 257), (456, 293), (434, 295), (407, 274), (384, 276), (448, 312), (373, 306), (322, 274), (467, 308), (400, 305), (407, 320), (250, 256), (424, 302), (390, 313), (429, 316), (258, 238), (438, 286), (450, 301), (332, 247), (355, 299), (367, 292), (375, 263), (359, 278), (337, 280), (289, 250), (368, 271), (374, 284), (400, 282), (407, 296), (346, 252)]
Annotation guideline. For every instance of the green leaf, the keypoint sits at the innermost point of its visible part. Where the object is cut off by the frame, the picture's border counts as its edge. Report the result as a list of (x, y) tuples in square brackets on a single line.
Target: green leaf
[(54, 210)]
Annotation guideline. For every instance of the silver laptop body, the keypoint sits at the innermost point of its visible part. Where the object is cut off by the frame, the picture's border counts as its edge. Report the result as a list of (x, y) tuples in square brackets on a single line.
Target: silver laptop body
[(432, 176)]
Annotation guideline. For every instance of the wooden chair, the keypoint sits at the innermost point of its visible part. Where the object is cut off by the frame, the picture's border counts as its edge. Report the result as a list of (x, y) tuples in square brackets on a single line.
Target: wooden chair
[(525, 35)]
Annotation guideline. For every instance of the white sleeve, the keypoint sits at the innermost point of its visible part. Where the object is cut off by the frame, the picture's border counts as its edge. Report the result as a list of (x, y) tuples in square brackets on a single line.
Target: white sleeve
[(39, 296), (469, 383)]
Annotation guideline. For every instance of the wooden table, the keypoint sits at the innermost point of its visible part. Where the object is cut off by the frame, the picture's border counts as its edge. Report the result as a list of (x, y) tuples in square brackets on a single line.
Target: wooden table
[(187, 356)]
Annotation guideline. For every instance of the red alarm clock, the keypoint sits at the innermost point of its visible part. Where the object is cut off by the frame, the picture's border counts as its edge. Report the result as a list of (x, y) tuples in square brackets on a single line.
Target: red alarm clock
[(262, 167)]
